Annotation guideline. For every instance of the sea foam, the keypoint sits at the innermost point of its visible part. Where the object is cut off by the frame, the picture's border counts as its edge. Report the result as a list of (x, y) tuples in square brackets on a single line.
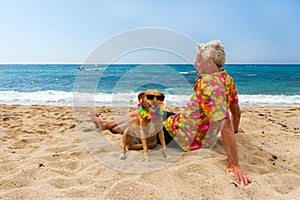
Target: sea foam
[(60, 98)]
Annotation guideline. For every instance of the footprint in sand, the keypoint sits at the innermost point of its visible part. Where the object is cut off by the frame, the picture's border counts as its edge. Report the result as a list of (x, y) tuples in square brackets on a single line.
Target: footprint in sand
[(88, 129), (22, 143)]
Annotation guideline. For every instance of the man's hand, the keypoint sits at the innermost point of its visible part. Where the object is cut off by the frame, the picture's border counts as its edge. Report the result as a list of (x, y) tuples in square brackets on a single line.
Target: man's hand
[(240, 176), (240, 130)]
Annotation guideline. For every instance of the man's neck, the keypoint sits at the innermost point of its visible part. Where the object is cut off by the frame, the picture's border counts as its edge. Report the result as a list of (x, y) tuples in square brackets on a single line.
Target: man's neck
[(212, 69)]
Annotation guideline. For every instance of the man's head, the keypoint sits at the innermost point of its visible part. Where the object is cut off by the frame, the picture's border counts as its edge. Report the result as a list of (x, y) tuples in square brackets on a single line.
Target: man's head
[(211, 54)]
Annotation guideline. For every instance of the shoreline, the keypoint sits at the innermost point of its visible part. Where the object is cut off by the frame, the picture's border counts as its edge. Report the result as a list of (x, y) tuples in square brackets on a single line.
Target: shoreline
[(134, 106), (42, 156), (60, 98)]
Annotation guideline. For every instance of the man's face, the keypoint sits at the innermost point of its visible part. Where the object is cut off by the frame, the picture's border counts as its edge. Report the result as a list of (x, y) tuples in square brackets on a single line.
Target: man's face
[(201, 64)]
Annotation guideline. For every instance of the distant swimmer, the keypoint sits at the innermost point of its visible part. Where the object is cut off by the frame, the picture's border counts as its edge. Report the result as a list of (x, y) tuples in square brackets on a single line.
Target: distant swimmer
[(90, 69)]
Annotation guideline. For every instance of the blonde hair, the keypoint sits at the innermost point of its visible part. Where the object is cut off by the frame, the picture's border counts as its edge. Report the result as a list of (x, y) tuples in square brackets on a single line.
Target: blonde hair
[(213, 49)]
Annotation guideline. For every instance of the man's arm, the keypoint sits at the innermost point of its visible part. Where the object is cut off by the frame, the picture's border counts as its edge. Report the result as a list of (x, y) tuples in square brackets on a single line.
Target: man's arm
[(232, 154), (236, 116)]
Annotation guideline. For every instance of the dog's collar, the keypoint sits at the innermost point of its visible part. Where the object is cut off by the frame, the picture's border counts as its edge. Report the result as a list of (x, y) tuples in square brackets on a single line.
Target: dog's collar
[(150, 115)]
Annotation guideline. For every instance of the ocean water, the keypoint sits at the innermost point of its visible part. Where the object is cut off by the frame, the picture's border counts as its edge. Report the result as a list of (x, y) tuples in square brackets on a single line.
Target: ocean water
[(66, 85)]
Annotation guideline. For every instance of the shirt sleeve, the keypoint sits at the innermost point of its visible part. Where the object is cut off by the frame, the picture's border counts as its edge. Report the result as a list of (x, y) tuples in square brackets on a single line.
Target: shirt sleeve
[(233, 93)]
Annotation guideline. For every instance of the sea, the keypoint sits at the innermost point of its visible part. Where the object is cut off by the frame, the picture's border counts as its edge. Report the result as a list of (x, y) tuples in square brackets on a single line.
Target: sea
[(119, 84)]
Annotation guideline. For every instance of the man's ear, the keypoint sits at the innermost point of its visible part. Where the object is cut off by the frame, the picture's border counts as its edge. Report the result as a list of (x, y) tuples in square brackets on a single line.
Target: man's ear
[(212, 62), (141, 96)]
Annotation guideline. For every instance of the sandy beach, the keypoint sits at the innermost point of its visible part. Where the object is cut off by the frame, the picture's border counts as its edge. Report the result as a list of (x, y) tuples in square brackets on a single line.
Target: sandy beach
[(43, 156)]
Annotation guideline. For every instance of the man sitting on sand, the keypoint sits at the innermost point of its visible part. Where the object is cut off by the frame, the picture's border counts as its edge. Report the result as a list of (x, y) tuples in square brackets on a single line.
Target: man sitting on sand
[(197, 125)]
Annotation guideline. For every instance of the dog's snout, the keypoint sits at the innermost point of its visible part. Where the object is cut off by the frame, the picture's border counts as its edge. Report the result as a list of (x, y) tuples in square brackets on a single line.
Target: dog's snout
[(155, 106)]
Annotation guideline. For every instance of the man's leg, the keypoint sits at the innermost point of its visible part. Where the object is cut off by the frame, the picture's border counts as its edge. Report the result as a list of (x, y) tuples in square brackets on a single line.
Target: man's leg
[(115, 126)]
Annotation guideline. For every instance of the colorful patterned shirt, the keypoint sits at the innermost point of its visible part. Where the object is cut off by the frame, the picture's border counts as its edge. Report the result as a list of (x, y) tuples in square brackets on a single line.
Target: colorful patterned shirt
[(200, 121)]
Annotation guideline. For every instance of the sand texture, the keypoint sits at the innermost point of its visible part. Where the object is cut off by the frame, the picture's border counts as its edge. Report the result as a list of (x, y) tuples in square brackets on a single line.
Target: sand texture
[(50, 152)]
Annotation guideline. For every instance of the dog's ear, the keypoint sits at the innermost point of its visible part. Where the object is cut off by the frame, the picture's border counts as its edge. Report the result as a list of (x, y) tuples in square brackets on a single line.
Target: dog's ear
[(141, 96)]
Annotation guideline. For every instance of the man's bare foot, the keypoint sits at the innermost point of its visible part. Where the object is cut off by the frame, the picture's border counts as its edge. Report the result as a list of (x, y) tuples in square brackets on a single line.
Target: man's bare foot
[(99, 123), (94, 117)]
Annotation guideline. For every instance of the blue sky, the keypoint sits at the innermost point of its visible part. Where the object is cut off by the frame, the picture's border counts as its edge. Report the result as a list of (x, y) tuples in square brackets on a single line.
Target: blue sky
[(67, 31)]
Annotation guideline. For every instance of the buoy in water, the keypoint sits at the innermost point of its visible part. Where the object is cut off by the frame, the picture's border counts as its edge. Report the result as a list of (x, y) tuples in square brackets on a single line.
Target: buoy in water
[(32, 82)]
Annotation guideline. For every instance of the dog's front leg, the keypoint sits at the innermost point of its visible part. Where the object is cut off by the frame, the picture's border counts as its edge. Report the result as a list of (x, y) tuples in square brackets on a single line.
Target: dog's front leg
[(145, 147), (163, 143), (123, 154)]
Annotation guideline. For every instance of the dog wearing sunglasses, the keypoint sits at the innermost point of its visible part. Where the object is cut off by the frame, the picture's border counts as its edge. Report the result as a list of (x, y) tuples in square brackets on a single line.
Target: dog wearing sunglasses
[(142, 134)]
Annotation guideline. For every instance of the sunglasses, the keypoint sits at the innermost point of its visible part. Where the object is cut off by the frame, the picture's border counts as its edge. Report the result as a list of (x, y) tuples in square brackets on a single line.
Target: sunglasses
[(158, 97)]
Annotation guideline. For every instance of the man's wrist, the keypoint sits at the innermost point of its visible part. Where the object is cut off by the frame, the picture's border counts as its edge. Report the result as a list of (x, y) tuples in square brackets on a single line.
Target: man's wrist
[(233, 165)]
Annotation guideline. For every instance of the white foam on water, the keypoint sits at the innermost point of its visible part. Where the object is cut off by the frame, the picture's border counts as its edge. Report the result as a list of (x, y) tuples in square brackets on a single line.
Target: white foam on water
[(60, 98)]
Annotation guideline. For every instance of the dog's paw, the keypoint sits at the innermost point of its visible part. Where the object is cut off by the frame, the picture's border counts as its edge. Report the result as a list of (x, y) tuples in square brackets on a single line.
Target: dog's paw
[(166, 154), (146, 157), (123, 155)]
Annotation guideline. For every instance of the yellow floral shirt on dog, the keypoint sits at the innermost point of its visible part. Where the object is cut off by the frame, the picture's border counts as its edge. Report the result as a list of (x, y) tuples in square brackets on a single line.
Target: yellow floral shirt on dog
[(200, 121)]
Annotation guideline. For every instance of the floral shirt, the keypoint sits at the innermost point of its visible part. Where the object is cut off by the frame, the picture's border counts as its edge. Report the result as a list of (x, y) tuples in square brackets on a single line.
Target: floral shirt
[(200, 121)]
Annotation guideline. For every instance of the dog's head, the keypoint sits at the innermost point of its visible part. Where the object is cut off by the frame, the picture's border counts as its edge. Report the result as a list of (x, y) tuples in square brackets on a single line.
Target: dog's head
[(151, 99)]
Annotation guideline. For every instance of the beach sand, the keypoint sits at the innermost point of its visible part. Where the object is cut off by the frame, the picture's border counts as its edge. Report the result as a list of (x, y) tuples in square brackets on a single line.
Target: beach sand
[(46, 153)]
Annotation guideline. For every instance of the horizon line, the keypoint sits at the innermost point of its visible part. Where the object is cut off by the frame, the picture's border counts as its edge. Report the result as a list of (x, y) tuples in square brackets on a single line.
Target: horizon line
[(162, 63)]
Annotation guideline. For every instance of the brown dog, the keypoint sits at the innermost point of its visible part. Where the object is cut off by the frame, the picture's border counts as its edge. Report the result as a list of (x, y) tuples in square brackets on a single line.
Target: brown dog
[(142, 134)]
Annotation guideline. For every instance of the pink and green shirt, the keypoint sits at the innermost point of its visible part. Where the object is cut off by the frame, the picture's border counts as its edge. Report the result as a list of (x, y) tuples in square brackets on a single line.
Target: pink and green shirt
[(199, 122)]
